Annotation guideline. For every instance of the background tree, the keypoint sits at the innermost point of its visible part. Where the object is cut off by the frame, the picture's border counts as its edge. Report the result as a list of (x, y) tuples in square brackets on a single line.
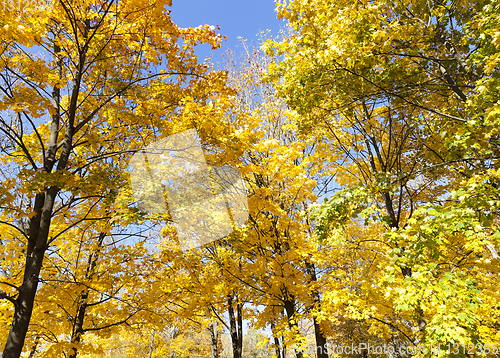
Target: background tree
[(281, 170)]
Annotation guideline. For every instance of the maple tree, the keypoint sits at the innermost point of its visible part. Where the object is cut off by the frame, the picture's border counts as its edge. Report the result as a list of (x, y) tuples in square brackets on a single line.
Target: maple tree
[(395, 91), (277, 253), (85, 84)]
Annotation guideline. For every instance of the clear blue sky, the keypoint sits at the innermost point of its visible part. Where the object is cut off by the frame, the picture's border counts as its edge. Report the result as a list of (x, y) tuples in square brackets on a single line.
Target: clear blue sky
[(236, 18)]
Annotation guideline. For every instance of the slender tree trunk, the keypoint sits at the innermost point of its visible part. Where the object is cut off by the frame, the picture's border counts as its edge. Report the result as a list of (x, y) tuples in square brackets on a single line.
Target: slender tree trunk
[(292, 322), (78, 330), (277, 346), (321, 347), (76, 337), (175, 333), (236, 325), (152, 344), (214, 335), (33, 349)]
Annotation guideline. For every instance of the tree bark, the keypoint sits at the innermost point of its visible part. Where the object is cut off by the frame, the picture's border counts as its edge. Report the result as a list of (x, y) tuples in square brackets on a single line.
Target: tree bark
[(152, 344), (292, 323), (321, 347), (76, 337), (214, 335), (33, 349), (277, 346), (37, 245), (236, 325)]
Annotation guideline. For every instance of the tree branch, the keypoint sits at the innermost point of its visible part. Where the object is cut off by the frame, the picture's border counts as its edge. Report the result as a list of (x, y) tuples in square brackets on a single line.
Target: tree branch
[(7, 297)]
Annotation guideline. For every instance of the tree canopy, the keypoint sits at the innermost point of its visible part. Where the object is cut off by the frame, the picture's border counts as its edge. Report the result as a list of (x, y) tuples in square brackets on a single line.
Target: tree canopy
[(367, 139)]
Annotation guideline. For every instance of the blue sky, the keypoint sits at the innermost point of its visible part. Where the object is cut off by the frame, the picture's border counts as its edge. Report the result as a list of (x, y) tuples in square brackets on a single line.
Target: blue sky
[(244, 18)]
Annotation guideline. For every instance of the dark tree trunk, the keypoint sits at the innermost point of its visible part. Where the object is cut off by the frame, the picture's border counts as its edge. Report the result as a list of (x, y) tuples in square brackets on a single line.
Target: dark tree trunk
[(236, 325), (33, 349), (37, 245), (292, 322), (78, 330), (76, 337), (321, 347), (277, 346)]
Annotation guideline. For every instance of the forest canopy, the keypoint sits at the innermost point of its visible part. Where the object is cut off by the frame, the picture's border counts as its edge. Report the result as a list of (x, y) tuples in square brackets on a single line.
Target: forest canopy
[(364, 138)]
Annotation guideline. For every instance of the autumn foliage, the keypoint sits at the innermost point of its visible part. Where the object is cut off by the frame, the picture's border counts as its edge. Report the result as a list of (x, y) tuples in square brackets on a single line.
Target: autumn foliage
[(367, 135)]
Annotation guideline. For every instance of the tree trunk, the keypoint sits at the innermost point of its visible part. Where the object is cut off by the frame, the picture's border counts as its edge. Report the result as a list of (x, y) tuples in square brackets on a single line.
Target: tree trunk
[(292, 323), (277, 346), (37, 245), (152, 344), (76, 337), (214, 335), (236, 324), (78, 331), (33, 349), (321, 347)]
